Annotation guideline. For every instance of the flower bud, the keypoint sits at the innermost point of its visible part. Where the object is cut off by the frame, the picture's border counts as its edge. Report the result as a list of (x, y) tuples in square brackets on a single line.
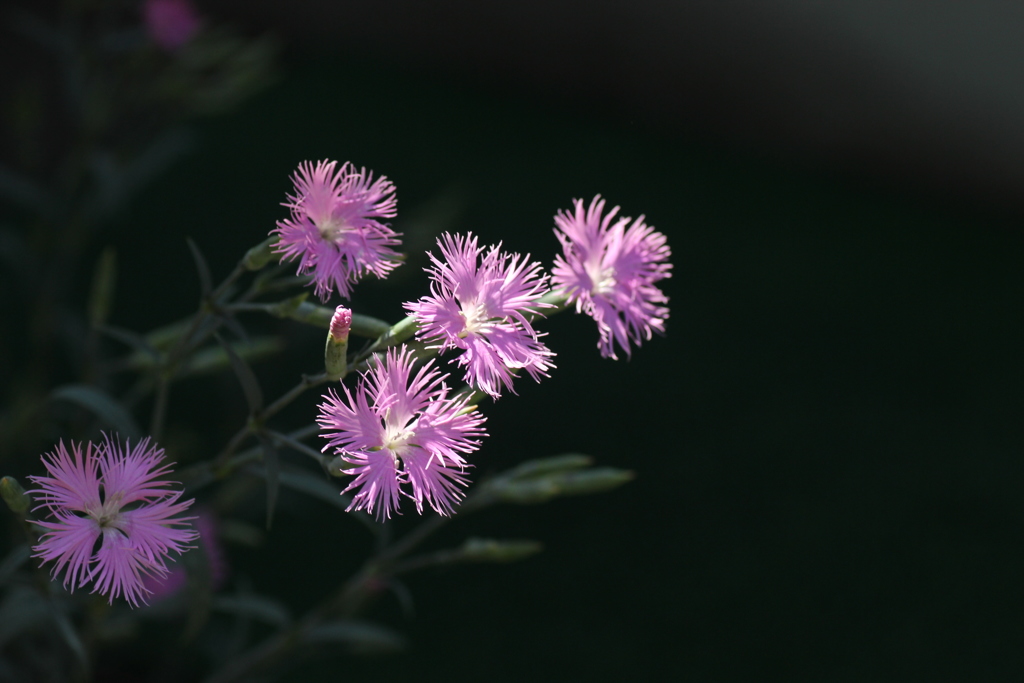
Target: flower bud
[(336, 350), (545, 487), (489, 550), (260, 255), (337, 466), (170, 23), (15, 496), (341, 323)]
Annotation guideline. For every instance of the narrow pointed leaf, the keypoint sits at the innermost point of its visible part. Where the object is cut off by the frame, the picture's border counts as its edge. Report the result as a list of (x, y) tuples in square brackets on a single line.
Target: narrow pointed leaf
[(215, 358), (257, 607), (322, 489), (272, 472), (129, 338), (251, 388), (362, 636), (68, 633), (101, 404)]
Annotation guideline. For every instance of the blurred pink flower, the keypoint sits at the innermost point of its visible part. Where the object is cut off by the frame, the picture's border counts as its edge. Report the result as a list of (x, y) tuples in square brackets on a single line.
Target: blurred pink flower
[(609, 271), (479, 302), (400, 426), (112, 493), (334, 229), (170, 23), (160, 588)]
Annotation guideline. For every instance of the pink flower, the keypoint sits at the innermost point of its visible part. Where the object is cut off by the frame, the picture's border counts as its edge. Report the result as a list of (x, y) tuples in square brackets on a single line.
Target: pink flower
[(114, 494), (610, 271), (401, 427), (170, 23), (479, 301), (334, 229)]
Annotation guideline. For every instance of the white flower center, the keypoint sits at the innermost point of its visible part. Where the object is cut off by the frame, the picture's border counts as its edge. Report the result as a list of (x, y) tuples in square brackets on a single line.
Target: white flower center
[(333, 229), (477, 319), (602, 279), (396, 439), (109, 514)]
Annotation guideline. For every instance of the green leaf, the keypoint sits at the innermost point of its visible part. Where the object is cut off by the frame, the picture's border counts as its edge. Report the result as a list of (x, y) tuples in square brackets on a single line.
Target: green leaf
[(361, 636), (134, 340), (250, 387), (317, 487), (257, 607), (272, 473), (68, 633), (215, 358), (101, 404), (314, 486)]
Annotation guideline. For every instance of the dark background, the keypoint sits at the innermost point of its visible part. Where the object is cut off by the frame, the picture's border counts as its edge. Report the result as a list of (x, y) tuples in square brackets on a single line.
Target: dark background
[(827, 442)]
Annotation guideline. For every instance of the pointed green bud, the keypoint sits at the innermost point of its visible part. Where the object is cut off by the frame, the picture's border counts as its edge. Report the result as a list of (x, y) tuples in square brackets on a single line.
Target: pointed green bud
[(15, 496), (490, 550), (555, 463), (289, 307), (542, 488), (260, 255), (337, 466), (336, 350)]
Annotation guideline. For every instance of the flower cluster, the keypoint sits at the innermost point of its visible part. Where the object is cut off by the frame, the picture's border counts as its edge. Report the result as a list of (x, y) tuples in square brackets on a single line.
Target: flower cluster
[(334, 229), (401, 427), (609, 271), (114, 494), (400, 430), (481, 300)]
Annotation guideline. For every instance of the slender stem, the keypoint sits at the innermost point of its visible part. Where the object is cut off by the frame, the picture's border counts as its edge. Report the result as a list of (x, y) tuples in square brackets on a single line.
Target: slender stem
[(320, 458), (308, 382), (257, 421)]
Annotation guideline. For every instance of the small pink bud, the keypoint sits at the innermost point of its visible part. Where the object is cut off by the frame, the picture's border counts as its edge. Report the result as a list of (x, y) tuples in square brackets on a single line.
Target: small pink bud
[(170, 23), (341, 323)]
